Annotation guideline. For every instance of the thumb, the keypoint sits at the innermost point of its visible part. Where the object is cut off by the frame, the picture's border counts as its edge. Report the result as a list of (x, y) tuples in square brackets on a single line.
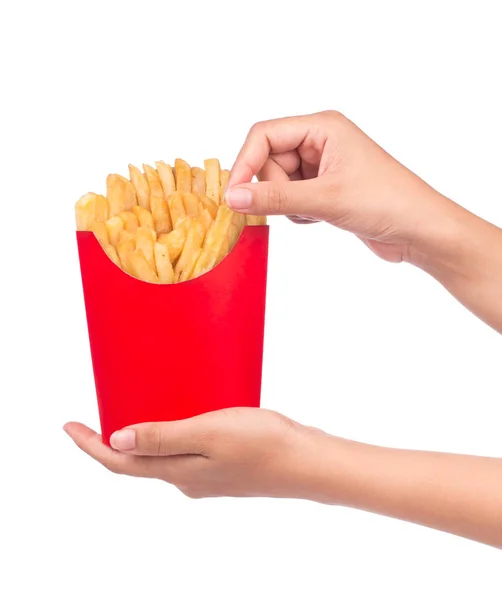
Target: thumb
[(306, 198), (164, 438)]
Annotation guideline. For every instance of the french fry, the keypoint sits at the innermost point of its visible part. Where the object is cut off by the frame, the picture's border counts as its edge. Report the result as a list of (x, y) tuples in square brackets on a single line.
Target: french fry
[(189, 267), (130, 220), (166, 178), (198, 181), (192, 244), (144, 217), (174, 242), (158, 205), (141, 186), (141, 267), (233, 235), (205, 219), (184, 223), (176, 207), (183, 175), (212, 166), (125, 247), (224, 176), (120, 193), (239, 220), (215, 238), (191, 204), (225, 247), (209, 205), (112, 254), (114, 226), (91, 208), (256, 220), (101, 233), (144, 241), (163, 263)]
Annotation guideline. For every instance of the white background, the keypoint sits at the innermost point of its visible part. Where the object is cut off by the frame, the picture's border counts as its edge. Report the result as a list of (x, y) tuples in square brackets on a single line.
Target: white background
[(364, 349)]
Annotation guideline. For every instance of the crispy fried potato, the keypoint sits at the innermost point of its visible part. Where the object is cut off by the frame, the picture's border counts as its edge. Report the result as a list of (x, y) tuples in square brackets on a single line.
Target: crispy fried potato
[(130, 220), (158, 206), (91, 208), (120, 193), (141, 186), (215, 238), (166, 178), (191, 204), (174, 242), (225, 247), (144, 217), (256, 220), (144, 242), (212, 166), (224, 176), (189, 267), (112, 254), (205, 219), (101, 233), (183, 175), (176, 207), (163, 264), (209, 205), (125, 247), (198, 181), (192, 244), (141, 267), (233, 235), (114, 226)]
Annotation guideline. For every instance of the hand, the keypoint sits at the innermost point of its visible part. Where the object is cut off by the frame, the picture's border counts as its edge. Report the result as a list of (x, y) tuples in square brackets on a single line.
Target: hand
[(233, 452), (323, 167)]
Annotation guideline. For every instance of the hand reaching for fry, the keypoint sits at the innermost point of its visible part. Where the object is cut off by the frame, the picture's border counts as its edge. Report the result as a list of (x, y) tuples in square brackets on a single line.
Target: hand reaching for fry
[(323, 167)]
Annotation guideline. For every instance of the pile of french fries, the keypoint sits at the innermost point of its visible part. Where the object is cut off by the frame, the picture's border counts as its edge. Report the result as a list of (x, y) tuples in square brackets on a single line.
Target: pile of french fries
[(164, 225)]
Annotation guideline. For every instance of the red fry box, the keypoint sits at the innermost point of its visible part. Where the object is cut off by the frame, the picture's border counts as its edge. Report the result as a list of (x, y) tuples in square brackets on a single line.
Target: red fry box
[(162, 352)]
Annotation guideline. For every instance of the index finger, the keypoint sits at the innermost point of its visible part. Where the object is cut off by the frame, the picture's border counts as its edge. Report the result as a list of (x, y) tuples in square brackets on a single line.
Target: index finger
[(265, 138)]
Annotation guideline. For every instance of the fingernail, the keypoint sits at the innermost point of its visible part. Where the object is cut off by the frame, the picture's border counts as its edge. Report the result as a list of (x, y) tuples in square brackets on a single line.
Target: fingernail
[(239, 198), (125, 439)]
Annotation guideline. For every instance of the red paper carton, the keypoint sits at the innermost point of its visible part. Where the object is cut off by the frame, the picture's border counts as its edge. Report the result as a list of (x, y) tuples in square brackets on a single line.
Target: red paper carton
[(162, 352)]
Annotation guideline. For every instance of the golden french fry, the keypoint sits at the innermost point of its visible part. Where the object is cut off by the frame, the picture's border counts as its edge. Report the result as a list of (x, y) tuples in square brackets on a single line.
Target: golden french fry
[(141, 186), (256, 220), (91, 208), (163, 263), (174, 242), (212, 166), (233, 235), (101, 233), (114, 226), (125, 247), (112, 254), (144, 217), (209, 205), (225, 247), (216, 237), (130, 220), (166, 178), (183, 175), (158, 205), (198, 181), (144, 242), (141, 267), (191, 204), (176, 207), (224, 176), (193, 243), (184, 223), (120, 193), (239, 220), (205, 219), (189, 267)]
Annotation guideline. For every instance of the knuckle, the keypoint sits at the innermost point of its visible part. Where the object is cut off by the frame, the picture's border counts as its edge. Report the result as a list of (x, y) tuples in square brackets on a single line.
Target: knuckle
[(275, 200)]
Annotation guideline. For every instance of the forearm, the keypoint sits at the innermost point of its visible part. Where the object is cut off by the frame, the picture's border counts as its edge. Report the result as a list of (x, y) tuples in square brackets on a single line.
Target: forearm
[(464, 253), (458, 494)]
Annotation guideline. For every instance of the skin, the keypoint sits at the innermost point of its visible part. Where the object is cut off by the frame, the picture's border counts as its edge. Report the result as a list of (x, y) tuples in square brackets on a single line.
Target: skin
[(323, 167)]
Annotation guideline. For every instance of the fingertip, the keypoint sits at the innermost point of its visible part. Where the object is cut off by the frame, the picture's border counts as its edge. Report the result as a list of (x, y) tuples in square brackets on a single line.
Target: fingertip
[(238, 198), (123, 440)]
